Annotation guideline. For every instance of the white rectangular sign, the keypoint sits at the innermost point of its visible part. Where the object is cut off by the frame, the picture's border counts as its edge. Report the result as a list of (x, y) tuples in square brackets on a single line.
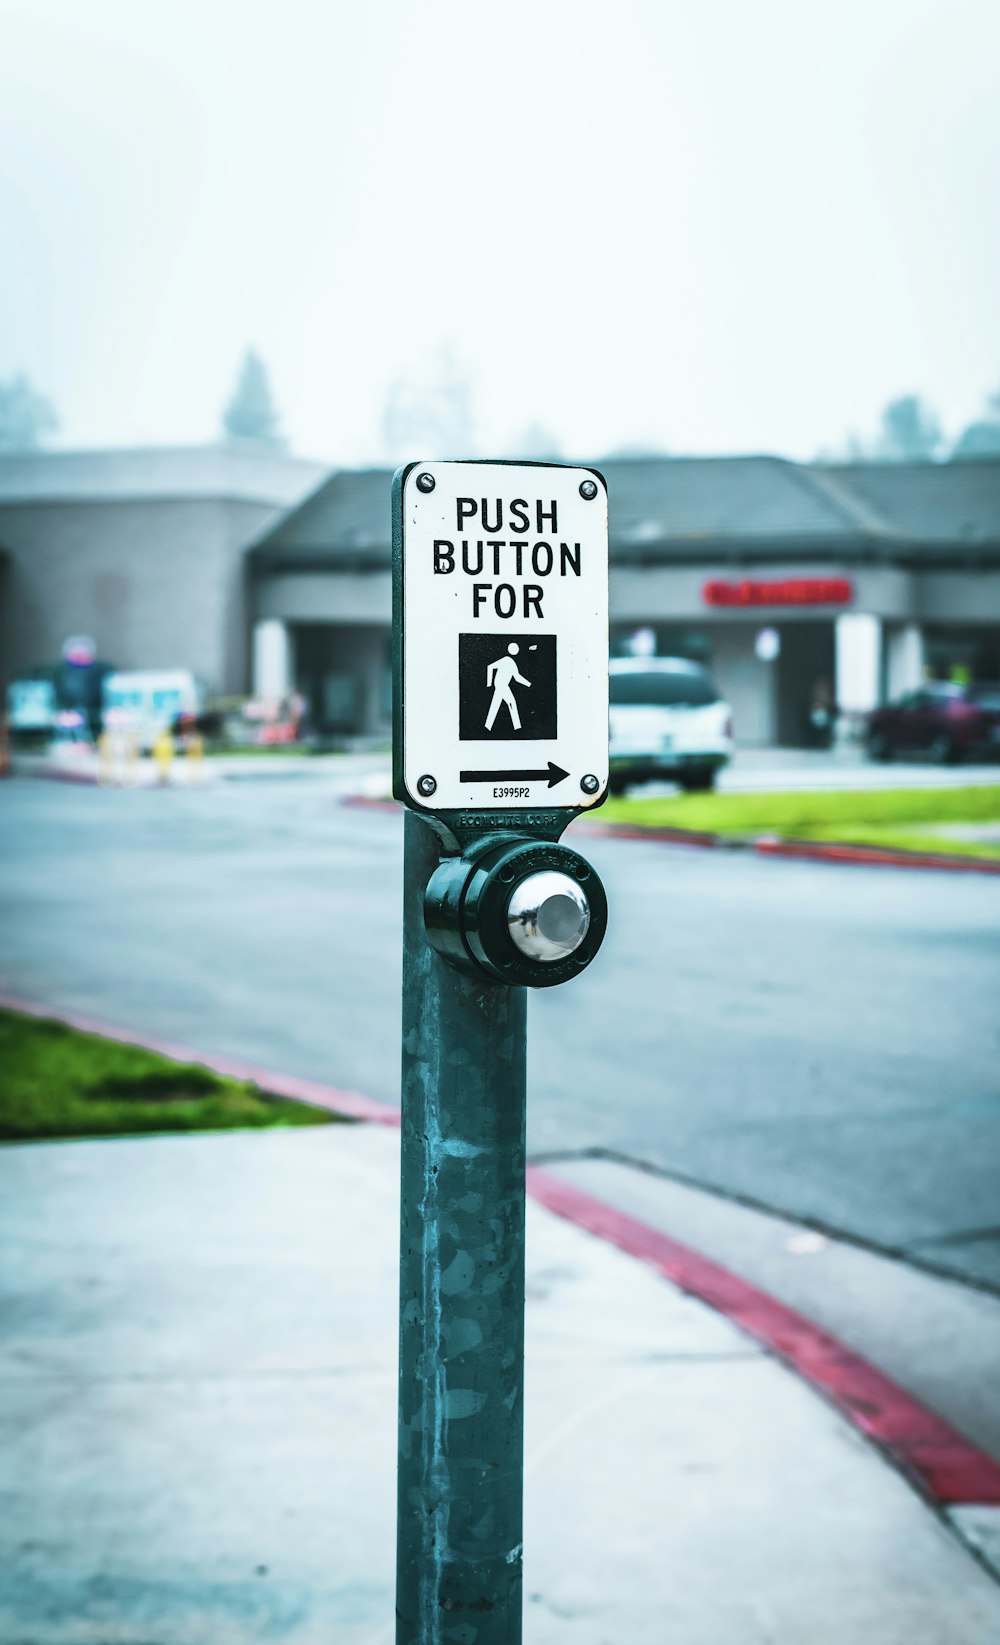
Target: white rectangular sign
[(503, 609)]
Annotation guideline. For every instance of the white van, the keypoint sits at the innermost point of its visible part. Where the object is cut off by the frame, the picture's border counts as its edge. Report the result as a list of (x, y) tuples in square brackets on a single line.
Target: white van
[(145, 702), (667, 720), (32, 709)]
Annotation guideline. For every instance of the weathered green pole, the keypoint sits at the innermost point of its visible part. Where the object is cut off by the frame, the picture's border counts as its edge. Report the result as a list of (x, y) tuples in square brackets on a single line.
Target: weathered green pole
[(461, 1334), (493, 904)]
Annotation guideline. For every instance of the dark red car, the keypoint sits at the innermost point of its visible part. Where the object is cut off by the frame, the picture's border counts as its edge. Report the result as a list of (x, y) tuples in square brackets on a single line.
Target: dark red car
[(944, 722)]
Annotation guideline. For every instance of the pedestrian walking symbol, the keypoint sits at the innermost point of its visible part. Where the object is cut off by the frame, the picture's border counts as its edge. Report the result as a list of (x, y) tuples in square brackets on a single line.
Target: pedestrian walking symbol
[(506, 687), (502, 676)]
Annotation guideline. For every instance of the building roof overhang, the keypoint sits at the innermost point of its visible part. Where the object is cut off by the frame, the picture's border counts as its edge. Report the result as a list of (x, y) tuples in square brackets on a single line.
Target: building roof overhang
[(692, 511)]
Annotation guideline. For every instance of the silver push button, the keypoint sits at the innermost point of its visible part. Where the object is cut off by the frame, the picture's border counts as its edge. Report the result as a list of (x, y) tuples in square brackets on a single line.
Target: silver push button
[(548, 916)]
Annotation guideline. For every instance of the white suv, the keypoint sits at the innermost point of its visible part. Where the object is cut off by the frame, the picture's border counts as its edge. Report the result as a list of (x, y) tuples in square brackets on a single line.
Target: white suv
[(667, 720)]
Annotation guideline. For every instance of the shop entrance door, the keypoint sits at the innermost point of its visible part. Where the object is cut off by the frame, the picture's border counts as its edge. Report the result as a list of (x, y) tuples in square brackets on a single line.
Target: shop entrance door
[(805, 667)]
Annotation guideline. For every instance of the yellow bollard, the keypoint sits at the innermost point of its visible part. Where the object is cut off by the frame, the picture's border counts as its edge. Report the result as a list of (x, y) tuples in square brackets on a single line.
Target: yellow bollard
[(163, 754), (130, 755), (105, 759), (196, 755)]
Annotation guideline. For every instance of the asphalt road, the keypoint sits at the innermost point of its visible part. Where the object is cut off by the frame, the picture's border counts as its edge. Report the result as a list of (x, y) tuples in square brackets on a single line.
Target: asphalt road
[(822, 1040)]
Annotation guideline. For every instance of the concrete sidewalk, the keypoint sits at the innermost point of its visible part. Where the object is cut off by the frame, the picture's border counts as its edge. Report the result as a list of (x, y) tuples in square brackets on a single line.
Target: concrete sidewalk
[(355, 772), (198, 1416)]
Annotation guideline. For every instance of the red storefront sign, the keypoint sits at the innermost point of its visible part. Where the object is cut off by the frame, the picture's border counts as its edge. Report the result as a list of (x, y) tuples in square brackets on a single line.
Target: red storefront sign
[(783, 591)]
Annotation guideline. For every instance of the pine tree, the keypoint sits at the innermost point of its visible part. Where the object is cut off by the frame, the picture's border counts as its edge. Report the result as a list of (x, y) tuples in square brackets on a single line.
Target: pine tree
[(251, 413)]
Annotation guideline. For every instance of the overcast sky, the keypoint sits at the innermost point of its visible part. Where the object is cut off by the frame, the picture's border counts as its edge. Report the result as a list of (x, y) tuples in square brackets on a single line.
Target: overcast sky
[(709, 226)]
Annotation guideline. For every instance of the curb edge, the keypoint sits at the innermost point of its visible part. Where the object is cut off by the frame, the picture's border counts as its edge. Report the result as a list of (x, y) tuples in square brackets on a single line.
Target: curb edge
[(945, 1467)]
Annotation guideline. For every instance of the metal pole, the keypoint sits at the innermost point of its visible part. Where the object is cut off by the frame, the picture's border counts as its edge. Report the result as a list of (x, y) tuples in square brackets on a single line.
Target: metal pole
[(461, 1304)]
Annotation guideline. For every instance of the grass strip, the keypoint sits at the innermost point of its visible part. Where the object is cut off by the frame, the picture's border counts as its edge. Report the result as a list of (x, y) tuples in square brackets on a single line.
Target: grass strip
[(56, 1082), (904, 818), (263, 751)]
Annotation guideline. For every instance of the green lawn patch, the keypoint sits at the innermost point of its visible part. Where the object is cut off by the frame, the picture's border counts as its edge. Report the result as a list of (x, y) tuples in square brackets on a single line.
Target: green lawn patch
[(55, 1082), (265, 751), (905, 818)]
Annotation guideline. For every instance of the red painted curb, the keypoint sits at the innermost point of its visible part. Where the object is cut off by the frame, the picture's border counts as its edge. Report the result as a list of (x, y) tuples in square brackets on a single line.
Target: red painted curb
[(939, 1460), (370, 802), (873, 856), (935, 1456), (869, 856), (665, 836), (351, 1104)]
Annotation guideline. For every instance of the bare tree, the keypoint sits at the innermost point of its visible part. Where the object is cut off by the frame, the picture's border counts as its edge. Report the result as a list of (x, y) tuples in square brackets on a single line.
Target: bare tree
[(429, 413), (537, 444), (26, 417), (981, 438), (910, 431)]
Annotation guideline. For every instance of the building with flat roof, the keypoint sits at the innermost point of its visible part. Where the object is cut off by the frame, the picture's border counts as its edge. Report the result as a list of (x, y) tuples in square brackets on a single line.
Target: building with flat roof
[(261, 572), (787, 579), (143, 550)]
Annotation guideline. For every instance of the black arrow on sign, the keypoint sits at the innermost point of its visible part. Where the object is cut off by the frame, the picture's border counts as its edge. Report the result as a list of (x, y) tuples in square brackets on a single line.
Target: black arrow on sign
[(554, 774)]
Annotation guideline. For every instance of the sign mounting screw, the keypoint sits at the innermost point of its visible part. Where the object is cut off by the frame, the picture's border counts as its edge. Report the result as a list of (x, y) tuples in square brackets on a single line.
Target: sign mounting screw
[(426, 785), (427, 482), (590, 784), (588, 490)]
